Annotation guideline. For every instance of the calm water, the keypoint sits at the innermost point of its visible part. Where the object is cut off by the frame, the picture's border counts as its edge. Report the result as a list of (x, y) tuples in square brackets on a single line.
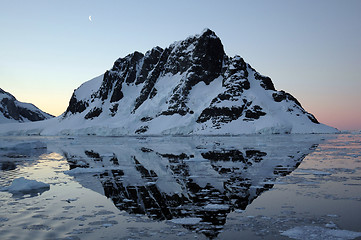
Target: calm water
[(249, 187)]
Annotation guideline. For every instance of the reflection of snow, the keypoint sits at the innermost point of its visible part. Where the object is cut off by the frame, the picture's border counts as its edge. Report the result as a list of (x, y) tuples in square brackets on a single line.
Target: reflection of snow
[(211, 207), (70, 208), (315, 232), (186, 221), (314, 172), (194, 181), (11, 149)]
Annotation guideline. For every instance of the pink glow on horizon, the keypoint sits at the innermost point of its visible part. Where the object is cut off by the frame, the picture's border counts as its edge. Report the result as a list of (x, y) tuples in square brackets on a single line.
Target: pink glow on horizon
[(342, 119)]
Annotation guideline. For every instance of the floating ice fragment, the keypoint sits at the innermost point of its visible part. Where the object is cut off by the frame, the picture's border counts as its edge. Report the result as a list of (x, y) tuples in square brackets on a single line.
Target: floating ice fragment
[(331, 225), (24, 185), (315, 232), (181, 234)]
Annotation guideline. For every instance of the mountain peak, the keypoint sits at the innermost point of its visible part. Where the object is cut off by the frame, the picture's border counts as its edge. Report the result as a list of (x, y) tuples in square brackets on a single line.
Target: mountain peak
[(190, 87), (195, 39), (11, 110), (209, 33), (6, 95)]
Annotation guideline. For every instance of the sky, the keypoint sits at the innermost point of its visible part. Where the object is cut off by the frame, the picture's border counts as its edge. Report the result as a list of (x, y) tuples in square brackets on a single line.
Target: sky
[(311, 49)]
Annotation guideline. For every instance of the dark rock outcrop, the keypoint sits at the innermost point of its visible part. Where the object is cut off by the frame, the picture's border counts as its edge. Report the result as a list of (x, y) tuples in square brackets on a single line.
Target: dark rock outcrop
[(17, 111)]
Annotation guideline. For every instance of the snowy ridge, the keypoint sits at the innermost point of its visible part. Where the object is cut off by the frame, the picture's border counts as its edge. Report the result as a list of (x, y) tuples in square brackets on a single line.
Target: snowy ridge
[(190, 88), (13, 111)]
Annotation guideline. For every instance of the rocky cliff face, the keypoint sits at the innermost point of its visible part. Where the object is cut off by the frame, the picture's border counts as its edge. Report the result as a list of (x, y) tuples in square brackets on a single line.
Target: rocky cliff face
[(191, 87), (12, 110)]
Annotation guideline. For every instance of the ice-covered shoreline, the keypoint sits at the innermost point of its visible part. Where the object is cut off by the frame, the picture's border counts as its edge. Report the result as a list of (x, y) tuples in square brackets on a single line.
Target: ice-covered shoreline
[(58, 126)]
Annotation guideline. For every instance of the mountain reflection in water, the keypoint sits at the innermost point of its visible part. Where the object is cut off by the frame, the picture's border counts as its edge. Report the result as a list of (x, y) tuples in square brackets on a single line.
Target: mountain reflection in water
[(194, 181)]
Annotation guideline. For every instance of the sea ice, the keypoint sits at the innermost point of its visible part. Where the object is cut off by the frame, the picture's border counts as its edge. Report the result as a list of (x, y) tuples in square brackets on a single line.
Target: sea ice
[(25, 185), (315, 232)]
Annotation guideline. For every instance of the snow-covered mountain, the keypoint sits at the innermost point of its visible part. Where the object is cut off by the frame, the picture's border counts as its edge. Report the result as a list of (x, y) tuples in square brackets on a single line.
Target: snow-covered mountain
[(190, 87), (11, 110)]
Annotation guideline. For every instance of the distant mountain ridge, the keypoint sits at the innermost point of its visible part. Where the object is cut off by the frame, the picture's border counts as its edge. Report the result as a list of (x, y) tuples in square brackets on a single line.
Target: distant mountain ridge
[(11, 110), (190, 87)]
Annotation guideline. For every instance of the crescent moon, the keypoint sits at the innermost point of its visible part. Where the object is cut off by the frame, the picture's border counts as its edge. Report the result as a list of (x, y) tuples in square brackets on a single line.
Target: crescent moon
[(90, 18)]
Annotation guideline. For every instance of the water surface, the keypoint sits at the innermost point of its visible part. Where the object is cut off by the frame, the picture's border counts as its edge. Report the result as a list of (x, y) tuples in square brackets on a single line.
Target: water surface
[(261, 187)]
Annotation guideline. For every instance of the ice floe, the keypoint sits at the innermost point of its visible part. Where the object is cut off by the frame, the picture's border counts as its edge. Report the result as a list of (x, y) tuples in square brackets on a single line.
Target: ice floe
[(315, 232), (23, 185)]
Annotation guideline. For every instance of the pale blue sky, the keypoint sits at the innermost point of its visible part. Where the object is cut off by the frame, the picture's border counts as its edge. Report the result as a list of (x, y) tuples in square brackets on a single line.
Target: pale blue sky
[(311, 49)]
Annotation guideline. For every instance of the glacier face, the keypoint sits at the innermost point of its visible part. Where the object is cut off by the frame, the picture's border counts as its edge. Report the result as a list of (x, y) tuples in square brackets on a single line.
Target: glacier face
[(11, 110), (190, 87)]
